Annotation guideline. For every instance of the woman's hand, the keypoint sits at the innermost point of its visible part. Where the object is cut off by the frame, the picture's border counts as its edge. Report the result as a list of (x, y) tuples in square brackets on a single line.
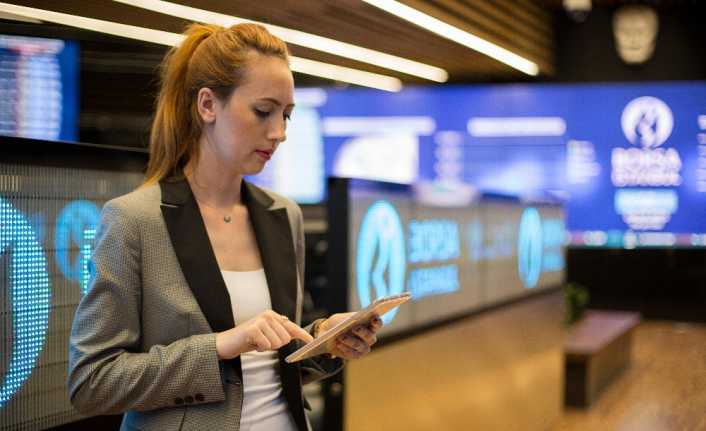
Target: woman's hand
[(266, 331), (354, 343)]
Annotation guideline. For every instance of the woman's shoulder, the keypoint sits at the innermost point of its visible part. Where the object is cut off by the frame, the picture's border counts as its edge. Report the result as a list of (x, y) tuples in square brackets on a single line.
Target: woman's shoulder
[(143, 201)]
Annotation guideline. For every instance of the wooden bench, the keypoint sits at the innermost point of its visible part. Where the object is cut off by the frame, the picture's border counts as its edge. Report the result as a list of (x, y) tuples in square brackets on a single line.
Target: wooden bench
[(596, 350)]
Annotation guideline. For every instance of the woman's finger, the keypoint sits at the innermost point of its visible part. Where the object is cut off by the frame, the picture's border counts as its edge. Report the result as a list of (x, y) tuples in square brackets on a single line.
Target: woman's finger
[(282, 333), (259, 341), (365, 334), (343, 351), (376, 323), (354, 343), (271, 334), (297, 332)]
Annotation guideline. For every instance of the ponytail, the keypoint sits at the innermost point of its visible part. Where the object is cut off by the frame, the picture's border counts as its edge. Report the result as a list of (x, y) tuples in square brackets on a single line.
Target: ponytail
[(209, 56)]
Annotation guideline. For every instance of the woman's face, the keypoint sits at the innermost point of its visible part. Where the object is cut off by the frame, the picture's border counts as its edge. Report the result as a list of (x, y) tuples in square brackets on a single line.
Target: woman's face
[(247, 128)]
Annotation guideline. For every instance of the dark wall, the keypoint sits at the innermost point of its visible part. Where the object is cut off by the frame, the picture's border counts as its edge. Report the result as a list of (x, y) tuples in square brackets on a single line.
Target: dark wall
[(586, 50), (660, 283), (118, 85)]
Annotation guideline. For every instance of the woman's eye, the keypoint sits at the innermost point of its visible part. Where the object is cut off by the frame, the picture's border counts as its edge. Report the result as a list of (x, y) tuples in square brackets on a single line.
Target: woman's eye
[(288, 116), (262, 114)]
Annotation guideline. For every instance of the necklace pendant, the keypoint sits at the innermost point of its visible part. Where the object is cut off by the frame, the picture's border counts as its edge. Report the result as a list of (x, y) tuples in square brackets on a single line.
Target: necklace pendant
[(226, 219)]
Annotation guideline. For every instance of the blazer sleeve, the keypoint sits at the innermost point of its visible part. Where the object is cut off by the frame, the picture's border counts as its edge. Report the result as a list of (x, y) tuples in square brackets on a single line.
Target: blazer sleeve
[(108, 372), (318, 367)]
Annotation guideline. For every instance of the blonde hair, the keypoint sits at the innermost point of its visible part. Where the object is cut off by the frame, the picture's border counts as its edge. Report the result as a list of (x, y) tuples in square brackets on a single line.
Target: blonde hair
[(210, 56)]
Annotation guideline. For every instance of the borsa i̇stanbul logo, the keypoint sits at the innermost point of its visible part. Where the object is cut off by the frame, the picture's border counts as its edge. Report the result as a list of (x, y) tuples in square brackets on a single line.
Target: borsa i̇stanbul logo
[(647, 123)]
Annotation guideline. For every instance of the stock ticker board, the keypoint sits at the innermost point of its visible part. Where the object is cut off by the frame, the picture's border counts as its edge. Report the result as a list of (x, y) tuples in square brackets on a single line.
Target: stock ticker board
[(48, 221), (628, 159)]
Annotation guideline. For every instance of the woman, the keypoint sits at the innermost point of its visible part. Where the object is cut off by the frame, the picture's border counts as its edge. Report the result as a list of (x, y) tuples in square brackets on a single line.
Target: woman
[(197, 276)]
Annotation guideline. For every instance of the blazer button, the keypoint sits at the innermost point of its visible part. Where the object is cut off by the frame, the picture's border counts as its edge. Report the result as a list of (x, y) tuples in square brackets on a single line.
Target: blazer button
[(189, 399), (178, 401), (199, 397)]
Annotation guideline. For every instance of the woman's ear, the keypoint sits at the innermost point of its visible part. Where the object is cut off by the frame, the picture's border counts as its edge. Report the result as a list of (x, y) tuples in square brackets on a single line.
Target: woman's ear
[(207, 104)]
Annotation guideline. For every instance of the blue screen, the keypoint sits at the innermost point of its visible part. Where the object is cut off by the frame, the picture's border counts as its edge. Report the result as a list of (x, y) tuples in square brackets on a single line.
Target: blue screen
[(636, 158), (39, 88), (628, 159)]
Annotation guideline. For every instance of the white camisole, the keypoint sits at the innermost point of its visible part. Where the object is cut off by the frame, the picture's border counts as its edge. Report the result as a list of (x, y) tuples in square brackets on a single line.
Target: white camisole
[(264, 406)]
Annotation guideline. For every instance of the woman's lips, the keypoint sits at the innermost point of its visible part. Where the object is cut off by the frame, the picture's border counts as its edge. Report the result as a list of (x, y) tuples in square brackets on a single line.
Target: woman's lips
[(264, 154)]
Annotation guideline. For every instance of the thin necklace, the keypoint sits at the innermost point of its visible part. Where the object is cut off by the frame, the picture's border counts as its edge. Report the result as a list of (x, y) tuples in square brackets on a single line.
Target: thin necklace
[(226, 218)]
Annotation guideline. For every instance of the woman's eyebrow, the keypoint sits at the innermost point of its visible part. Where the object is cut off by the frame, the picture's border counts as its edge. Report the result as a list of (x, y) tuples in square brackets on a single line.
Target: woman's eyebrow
[(276, 102)]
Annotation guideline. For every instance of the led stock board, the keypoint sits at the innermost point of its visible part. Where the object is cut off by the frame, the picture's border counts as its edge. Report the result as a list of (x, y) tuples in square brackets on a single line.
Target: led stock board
[(50, 195), (453, 260), (39, 88), (629, 159)]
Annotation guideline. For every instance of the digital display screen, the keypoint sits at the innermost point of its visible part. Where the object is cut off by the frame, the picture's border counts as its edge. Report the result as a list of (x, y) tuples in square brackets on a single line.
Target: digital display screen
[(629, 160), (637, 166), (48, 220), (39, 88), (452, 260)]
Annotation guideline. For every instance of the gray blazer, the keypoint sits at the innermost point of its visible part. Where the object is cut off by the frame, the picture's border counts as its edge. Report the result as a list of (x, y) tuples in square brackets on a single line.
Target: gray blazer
[(143, 338)]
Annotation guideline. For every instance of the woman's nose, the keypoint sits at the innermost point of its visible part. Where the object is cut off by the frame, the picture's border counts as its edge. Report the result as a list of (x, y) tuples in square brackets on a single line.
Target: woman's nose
[(278, 131)]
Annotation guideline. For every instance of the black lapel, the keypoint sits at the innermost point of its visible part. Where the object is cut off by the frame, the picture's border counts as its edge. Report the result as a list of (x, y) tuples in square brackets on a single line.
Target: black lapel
[(275, 242), (195, 254)]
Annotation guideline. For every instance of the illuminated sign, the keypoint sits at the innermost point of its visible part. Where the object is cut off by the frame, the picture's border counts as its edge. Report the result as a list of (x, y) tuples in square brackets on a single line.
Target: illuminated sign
[(50, 199), (436, 253), (29, 279), (433, 240), (433, 281), (30, 296), (647, 122), (451, 260), (381, 249), (87, 268), (646, 209), (76, 224), (553, 240), (529, 248)]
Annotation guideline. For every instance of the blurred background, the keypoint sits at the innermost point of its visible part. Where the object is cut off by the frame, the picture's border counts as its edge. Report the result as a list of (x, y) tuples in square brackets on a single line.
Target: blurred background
[(544, 163)]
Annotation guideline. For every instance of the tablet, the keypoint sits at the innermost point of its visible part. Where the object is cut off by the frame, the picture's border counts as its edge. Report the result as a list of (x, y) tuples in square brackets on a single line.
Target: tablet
[(362, 317)]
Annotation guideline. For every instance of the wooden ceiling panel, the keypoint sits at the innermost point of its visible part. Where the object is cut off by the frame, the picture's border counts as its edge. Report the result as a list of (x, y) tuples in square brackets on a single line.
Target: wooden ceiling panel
[(520, 26), (109, 11), (519, 20), (502, 30)]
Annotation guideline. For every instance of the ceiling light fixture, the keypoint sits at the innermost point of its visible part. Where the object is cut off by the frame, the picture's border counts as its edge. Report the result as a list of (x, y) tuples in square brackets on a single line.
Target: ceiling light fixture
[(345, 74), (107, 27), (297, 64), (457, 35), (300, 38)]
